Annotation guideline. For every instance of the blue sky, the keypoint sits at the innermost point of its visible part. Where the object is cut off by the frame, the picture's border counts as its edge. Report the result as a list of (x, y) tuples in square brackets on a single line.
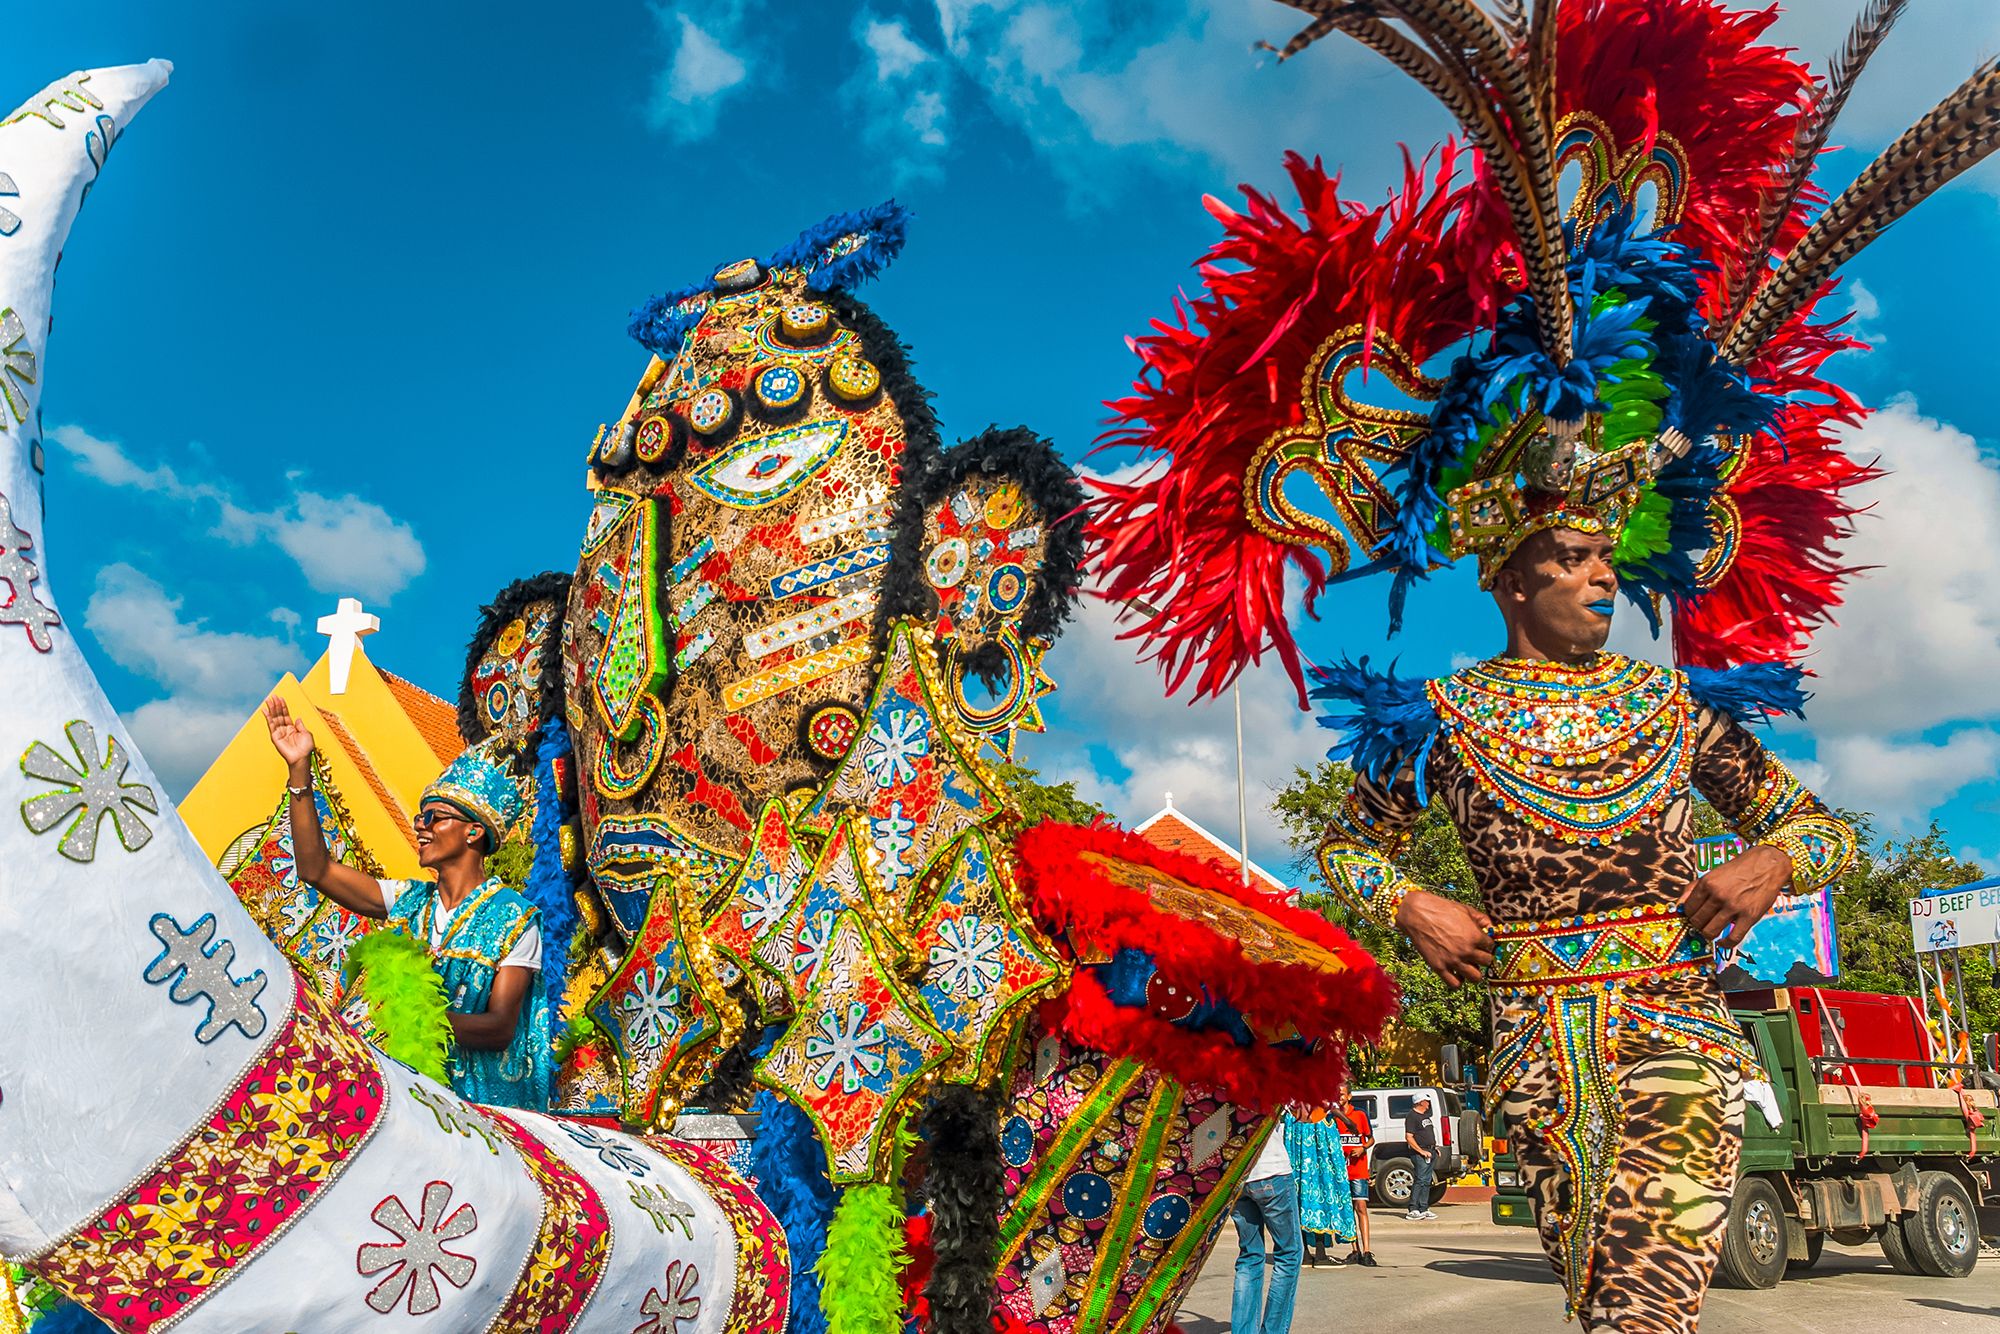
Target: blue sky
[(350, 306)]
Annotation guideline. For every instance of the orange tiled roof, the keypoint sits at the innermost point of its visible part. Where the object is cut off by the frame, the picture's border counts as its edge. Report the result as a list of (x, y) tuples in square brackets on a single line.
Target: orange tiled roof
[(435, 719), (367, 768), (1170, 831)]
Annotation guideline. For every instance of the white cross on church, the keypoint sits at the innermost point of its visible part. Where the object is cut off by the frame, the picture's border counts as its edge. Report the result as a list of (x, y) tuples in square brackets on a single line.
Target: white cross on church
[(345, 628)]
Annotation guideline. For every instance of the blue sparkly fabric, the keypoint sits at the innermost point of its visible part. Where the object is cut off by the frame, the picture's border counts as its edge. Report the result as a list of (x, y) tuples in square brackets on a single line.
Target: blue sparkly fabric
[(1326, 1204), (484, 930), (480, 784)]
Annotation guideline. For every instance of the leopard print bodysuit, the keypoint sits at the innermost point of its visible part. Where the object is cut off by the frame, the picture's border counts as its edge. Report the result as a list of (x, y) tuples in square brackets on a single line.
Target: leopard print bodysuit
[(1534, 761)]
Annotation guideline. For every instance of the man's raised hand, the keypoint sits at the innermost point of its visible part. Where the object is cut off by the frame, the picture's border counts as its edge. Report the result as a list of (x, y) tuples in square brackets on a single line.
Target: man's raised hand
[(288, 734), (1455, 940)]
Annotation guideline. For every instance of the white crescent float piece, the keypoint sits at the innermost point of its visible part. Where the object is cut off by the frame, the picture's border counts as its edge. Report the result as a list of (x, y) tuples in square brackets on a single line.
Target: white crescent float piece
[(187, 1138)]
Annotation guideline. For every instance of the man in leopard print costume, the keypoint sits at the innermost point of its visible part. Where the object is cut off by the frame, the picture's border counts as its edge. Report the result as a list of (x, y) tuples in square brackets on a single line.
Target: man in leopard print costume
[(1599, 357), (1567, 771)]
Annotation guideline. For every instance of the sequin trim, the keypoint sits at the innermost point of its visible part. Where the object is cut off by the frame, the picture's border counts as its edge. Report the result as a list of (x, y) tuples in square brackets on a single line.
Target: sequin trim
[(1588, 754)]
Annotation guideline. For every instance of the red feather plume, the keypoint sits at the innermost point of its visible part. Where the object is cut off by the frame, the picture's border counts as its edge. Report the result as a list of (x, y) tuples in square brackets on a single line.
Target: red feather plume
[(1432, 266), (1425, 268), (1793, 512), (1691, 70)]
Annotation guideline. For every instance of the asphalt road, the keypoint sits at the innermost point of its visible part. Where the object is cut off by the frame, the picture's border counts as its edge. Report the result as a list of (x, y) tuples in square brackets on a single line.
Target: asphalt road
[(1462, 1273)]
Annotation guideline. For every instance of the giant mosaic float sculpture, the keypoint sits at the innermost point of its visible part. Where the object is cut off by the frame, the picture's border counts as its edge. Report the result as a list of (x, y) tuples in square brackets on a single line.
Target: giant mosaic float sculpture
[(1029, 1063)]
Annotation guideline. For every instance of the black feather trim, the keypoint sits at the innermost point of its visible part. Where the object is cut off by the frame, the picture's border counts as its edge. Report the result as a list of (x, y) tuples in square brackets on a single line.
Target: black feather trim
[(1048, 482), (965, 1191), (509, 603)]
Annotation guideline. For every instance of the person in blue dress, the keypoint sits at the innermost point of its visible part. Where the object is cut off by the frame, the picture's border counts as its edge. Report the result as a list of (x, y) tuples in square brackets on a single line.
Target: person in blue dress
[(484, 938)]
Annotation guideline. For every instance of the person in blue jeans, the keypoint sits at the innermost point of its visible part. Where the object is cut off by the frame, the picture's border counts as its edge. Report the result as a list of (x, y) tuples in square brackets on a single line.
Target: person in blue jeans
[(1422, 1140), (1269, 1203)]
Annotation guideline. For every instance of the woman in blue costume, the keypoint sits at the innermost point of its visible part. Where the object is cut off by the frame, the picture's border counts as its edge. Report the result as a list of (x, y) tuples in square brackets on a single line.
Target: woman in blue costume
[(485, 939), (1326, 1209)]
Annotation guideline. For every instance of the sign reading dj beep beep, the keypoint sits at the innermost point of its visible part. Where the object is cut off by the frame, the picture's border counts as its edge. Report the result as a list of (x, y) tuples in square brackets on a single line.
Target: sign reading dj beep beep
[(1957, 918)]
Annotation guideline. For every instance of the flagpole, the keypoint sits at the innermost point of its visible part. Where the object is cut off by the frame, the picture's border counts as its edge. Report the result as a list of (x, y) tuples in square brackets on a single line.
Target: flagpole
[(1242, 807)]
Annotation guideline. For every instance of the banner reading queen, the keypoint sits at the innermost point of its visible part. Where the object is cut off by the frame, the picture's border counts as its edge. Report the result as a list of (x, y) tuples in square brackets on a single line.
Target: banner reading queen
[(1793, 946)]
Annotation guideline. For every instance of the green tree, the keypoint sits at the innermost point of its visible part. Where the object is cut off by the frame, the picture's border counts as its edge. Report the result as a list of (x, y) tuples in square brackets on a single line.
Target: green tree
[(512, 862), (1041, 801)]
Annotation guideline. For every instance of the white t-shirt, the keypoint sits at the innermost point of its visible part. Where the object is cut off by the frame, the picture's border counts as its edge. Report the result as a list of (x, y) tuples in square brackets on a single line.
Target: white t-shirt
[(1273, 1161), (527, 951)]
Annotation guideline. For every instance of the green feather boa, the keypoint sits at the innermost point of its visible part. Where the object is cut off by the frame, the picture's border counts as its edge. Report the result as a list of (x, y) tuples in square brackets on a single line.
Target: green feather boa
[(866, 1252), (391, 974)]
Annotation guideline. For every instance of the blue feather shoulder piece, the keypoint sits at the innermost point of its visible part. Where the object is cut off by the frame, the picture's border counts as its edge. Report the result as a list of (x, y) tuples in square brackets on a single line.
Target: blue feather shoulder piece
[(1750, 692), (1391, 719)]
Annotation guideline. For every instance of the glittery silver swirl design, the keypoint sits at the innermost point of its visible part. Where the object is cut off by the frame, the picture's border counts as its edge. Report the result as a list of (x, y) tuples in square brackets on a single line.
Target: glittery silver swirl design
[(10, 221), (193, 969), (17, 369), (90, 790), (22, 608)]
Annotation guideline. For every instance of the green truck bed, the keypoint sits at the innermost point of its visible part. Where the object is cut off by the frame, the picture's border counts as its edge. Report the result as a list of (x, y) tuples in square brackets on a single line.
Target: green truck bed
[(1823, 1120), (1820, 1133)]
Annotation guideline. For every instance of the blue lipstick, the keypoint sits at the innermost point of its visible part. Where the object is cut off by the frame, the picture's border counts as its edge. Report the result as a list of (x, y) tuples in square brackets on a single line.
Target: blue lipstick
[(1603, 607)]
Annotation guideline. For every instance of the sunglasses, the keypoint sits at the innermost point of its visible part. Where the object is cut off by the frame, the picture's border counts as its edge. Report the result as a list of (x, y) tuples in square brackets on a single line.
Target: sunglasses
[(425, 819)]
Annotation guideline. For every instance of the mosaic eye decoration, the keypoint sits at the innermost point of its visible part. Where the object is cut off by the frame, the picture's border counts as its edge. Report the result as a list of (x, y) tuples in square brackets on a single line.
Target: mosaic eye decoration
[(805, 324), (1005, 588), (946, 564), (765, 469), (738, 277), (853, 380), (712, 412), (655, 439), (831, 730)]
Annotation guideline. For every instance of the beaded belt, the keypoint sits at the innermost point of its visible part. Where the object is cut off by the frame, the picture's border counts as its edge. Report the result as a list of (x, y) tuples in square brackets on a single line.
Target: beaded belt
[(1650, 941)]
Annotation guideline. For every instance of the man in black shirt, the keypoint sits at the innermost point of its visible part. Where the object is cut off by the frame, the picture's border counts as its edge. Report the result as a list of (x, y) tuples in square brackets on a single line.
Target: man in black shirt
[(1417, 1133)]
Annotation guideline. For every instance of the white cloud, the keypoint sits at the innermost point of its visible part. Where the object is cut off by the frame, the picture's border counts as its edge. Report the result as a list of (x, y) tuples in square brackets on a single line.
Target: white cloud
[(703, 70), (346, 544), (1904, 678), (181, 738), (1866, 308), (1109, 91), (1918, 639), (896, 52), (1168, 745), (215, 677), (341, 544), (901, 93), (1112, 93), (1866, 304), (1935, 45), (1901, 782)]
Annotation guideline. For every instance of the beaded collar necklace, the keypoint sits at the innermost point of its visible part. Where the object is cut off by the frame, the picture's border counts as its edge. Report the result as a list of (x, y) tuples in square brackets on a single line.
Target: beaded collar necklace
[(1587, 753)]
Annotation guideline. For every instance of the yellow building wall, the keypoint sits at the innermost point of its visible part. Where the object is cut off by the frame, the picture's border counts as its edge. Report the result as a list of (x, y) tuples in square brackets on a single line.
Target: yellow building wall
[(242, 787)]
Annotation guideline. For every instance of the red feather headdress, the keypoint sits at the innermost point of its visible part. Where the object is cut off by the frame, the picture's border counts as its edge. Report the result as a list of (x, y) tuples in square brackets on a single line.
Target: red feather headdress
[(1645, 351)]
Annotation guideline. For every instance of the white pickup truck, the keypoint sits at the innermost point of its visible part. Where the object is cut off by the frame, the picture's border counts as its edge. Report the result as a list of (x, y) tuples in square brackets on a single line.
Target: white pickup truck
[(1461, 1139)]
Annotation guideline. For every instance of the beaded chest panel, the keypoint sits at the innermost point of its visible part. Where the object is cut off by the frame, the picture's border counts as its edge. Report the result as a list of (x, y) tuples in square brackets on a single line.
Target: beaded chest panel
[(1587, 754)]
